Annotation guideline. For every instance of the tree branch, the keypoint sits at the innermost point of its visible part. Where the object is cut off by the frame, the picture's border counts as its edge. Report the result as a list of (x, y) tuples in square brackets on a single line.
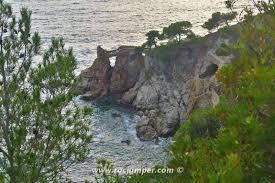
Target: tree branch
[(4, 152)]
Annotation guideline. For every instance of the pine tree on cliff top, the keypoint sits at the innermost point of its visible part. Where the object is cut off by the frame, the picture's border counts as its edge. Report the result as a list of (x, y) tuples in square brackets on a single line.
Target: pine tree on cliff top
[(177, 30), (218, 19)]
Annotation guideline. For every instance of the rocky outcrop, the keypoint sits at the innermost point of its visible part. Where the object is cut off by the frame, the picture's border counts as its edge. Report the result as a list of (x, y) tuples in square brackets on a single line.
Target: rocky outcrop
[(164, 90), (126, 70), (101, 79), (96, 79)]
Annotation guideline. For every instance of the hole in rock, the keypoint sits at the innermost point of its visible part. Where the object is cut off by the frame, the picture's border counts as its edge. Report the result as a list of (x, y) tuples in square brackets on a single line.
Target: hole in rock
[(112, 61), (210, 71)]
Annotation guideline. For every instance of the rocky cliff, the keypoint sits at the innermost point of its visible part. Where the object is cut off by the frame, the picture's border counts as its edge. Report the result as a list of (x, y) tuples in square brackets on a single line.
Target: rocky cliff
[(163, 90)]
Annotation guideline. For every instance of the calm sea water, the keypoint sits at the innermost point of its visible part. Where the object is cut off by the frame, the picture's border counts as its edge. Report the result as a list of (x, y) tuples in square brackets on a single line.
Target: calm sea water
[(84, 24)]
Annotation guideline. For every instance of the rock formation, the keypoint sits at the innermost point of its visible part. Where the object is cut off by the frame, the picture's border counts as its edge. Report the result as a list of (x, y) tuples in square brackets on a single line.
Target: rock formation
[(163, 90), (96, 79), (101, 79)]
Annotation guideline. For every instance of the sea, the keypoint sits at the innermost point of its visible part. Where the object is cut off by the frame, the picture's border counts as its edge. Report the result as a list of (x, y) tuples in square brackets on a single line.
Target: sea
[(85, 24)]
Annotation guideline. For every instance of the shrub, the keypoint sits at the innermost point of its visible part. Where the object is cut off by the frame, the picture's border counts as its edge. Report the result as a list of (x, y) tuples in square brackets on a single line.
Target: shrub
[(223, 50)]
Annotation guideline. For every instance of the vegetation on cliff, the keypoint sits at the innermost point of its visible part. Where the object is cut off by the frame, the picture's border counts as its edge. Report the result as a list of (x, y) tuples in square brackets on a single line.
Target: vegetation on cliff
[(175, 33), (219, 19), (179, 35), (234, 141), (242, 150)]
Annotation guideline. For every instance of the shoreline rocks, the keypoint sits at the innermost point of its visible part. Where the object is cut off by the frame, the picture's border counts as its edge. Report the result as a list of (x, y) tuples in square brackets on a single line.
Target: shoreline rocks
[(96, 79), (116, 114), (164, 91), (101, 80)]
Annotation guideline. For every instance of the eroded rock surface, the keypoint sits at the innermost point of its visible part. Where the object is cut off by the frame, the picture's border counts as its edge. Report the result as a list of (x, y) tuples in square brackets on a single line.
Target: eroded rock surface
[(96, 79), (126, 70), (101, 79), (163, 90)]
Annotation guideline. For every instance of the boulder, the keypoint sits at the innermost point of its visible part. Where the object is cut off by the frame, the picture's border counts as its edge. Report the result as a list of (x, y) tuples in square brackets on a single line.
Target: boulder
[(147, 97), (146, 132), (116, 114), (128, 142)]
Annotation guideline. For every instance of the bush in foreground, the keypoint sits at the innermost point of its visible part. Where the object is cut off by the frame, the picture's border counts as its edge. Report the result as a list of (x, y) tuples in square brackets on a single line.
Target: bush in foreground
[(41, 131)]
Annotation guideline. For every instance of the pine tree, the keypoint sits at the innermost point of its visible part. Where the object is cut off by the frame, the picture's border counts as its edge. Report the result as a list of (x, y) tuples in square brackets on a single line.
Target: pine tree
[(152, 38), (178, 29), (41, 131), (218, 19)]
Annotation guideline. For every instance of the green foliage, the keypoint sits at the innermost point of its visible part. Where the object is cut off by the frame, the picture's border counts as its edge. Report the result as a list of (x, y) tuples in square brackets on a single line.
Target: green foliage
[(223, 50), (234, 141), (106, 174), (174, 30), (218, 19), (230, 4), (164, 51), (152, 38), (41, 131), (242, 149), (229, 36), (140, 49), (150, 177), (178, 29), (167, 50)]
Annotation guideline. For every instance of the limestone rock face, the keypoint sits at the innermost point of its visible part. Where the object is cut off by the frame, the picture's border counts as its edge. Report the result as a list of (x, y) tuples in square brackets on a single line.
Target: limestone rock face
[(101, 79), (126, 71), (129, 96), (176, 85), (163, 90), (96, 79)]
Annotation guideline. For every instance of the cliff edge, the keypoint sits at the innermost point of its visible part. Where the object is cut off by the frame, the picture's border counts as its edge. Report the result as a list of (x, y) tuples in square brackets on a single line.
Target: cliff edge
[(163, 90)]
